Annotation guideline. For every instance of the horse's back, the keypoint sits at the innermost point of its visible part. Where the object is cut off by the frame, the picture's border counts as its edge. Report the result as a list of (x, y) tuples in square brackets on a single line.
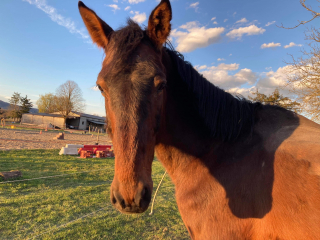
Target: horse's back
[(296, 188)]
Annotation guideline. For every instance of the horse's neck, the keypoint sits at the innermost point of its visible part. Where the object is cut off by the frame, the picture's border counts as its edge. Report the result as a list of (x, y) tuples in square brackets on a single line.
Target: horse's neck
[(183, 136)]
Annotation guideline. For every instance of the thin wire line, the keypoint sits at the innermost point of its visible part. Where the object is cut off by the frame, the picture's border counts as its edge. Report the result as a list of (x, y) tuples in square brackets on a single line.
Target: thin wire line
[(154, 197), (61, 175), (65, 224)]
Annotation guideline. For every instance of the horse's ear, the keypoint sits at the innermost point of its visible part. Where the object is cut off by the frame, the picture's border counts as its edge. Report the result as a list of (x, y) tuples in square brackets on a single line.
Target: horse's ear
[(159, 25), (97, 28)]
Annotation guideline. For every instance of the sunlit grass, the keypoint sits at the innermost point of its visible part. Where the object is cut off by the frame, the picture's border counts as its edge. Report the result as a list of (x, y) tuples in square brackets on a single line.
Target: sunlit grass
[(30, 208)]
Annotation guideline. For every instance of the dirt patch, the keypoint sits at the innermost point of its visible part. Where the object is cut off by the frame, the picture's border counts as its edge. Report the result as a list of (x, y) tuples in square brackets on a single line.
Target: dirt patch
[(26, 139)]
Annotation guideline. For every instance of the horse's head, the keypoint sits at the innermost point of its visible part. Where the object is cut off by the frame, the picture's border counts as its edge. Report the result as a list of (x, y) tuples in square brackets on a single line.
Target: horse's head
[(132, 81)]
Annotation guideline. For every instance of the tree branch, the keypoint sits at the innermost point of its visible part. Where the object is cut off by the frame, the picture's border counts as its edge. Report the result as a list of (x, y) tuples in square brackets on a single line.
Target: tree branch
[(314, 14)]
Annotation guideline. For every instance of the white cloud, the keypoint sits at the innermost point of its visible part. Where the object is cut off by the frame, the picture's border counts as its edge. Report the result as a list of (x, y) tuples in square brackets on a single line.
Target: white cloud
[(190, 25), (127, 8), (115, 1), (234, 14), (95, 88), (246, 75), (250, 30), (58, 18), (195, 36), (219, 75), (215, 22), (270, 45), (225, 20), (114, 6), (270, 23), (226, 67), (214, 18), (230, 54), (242, 20), (245, 81), (221, 59), (139, 17), (135, 1), (194, 5), (202, 67), (292, 44), (272, 80), (245, 92)]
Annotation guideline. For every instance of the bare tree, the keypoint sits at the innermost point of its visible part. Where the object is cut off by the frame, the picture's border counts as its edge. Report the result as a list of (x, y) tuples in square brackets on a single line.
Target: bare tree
[(69, 98), (304, 76), (308, 8)]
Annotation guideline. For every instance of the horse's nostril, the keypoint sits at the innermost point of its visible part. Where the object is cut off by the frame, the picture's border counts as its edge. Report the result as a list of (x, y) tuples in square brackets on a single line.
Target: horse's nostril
[(114, 200), (145, 198), (145, 193), (122, 203)]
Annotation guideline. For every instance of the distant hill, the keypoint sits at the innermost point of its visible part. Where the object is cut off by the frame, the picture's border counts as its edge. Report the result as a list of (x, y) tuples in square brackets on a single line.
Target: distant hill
[(5, 105), (34, 110)]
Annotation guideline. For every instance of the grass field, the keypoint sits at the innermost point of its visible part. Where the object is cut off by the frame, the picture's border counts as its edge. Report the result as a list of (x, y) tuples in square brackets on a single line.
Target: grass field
[(53, 208)]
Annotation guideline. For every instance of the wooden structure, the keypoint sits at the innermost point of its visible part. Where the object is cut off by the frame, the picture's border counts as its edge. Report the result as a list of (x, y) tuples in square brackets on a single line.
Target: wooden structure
[(60, 136), (86, 154), (75, 120), (10, 175)]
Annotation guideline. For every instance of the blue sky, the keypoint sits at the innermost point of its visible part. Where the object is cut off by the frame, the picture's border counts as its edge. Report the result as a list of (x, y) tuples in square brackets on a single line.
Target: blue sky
[(234, 43)]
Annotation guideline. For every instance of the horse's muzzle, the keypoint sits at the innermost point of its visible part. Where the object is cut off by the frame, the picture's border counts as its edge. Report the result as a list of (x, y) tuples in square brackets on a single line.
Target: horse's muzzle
[(138, 204)]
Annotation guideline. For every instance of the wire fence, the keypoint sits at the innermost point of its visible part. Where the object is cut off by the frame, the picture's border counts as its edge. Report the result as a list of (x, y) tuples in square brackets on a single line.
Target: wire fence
[(46, 230), (57, 227)]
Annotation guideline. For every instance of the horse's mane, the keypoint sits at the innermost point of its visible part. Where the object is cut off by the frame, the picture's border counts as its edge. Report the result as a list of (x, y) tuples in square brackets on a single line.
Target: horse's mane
[(227, 116)]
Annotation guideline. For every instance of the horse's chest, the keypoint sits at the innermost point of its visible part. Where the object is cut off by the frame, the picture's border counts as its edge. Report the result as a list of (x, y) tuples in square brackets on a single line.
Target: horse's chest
[(206, 213)]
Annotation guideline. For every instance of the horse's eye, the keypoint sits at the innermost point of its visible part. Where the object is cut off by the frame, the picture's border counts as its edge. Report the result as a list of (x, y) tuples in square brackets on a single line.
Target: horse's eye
[(100, 88), (161, 86)]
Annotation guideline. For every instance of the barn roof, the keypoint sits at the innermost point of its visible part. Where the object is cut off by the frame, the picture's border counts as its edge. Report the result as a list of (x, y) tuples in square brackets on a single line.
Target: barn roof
[(45, 114), (89, 116), (73, 114)]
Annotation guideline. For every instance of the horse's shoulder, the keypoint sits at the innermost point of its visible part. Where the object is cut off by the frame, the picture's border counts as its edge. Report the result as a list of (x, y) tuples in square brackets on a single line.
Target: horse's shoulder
[(277, 126), (290, 136), (305, 134), (302, 147)]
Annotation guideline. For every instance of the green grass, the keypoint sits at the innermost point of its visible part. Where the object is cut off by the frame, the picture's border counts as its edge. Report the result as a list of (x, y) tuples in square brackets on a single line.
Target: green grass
[(30, 208)]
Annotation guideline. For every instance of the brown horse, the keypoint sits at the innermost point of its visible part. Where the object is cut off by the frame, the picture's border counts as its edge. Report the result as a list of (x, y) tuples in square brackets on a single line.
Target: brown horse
[(241, 170)]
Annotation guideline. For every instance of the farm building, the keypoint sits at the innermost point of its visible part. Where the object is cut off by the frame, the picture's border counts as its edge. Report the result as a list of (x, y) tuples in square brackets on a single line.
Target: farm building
[(75, 120)]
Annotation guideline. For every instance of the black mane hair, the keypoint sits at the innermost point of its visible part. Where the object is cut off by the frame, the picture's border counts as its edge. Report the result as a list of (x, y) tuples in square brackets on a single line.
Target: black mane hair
[(225, 115)]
